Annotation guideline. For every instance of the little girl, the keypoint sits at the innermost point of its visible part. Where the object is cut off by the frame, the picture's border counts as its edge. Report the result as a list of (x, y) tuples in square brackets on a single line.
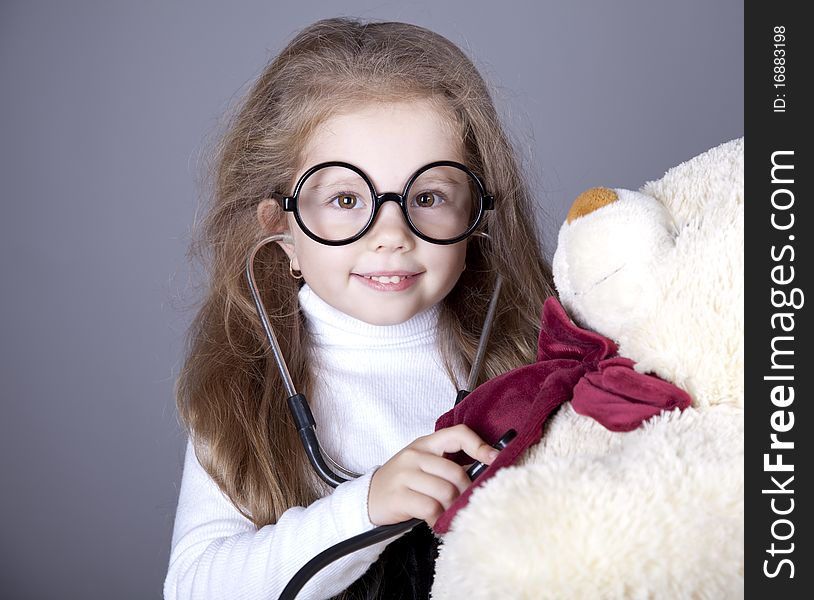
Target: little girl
[(377, 305)]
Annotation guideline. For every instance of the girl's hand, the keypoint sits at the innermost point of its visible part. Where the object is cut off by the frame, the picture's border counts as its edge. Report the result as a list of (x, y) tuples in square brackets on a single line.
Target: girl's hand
[(418, 482)]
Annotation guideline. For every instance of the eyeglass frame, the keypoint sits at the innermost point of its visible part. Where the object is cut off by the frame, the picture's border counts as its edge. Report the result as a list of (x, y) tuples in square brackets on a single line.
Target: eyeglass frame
[(290, 203)]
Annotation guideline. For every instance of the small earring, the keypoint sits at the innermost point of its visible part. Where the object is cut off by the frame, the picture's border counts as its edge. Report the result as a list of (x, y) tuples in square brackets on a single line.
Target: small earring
[(295, 273)]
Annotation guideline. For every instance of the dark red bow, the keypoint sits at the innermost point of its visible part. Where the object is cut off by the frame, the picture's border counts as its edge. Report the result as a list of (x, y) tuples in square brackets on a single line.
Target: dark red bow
[(572, 364)]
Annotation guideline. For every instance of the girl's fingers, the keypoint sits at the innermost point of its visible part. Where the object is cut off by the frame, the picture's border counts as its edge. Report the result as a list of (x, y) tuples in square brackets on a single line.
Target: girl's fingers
[(419, 482), (457, 438), (445, 469), (439, 490), (415, 505)]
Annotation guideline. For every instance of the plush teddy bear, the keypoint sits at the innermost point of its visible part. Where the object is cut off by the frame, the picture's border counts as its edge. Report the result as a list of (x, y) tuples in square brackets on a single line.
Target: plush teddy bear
[(655, 512)]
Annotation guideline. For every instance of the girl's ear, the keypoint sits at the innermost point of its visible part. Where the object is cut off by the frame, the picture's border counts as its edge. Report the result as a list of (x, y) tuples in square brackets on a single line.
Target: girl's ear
[(272, 220)]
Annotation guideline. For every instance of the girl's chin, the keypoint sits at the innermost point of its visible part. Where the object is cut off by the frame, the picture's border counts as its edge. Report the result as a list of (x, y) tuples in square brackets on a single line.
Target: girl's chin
[(389, 314)]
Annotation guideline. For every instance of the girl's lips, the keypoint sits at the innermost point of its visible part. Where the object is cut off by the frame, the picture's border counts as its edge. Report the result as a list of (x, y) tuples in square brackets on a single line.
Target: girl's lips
[(407, 279)]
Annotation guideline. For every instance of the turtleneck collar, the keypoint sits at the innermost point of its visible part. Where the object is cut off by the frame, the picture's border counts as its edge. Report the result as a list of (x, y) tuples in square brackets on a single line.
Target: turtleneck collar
[(331, 327)]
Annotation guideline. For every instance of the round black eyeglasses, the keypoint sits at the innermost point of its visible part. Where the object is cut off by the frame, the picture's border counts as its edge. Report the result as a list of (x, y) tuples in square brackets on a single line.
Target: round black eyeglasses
[(335, 203)]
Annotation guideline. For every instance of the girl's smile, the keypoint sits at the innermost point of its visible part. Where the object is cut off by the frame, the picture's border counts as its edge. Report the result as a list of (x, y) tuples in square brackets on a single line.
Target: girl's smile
[(388, 281)]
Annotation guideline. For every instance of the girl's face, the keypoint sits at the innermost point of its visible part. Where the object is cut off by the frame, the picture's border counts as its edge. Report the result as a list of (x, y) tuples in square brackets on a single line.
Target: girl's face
[(388, 142)]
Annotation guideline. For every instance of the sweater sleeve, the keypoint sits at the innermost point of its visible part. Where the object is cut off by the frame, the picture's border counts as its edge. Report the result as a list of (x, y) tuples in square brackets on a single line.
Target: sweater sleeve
[(218, 553)]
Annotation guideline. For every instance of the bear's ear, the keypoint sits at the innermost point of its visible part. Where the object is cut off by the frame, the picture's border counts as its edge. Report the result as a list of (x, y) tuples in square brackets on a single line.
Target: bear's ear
[(589, 201)]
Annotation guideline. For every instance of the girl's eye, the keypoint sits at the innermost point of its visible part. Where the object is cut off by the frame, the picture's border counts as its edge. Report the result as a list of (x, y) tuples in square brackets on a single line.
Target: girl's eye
[(346, 200), (427, 200)]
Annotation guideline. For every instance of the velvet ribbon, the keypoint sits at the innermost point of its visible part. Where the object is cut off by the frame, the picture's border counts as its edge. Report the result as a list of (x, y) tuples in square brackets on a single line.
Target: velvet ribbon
[(572, 364)]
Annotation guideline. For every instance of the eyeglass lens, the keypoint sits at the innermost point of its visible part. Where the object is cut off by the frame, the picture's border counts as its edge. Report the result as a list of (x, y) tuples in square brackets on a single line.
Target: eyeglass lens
[(335, 202)]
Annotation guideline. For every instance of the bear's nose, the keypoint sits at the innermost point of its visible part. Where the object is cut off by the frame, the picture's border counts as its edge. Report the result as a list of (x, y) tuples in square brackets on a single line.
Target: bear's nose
[(591, 200)]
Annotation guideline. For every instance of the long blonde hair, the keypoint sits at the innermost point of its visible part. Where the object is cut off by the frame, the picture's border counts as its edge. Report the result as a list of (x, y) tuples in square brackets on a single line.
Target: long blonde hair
[(229, 394)]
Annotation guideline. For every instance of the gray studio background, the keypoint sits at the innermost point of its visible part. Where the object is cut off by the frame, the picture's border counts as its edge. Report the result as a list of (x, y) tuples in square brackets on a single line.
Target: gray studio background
[(106, 109)]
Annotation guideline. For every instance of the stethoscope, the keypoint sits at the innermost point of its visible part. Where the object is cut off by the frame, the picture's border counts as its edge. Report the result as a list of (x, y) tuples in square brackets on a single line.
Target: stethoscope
[(327, 468)]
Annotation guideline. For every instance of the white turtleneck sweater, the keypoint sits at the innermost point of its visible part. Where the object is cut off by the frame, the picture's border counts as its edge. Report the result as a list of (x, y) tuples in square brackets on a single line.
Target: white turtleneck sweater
[(378, 388)]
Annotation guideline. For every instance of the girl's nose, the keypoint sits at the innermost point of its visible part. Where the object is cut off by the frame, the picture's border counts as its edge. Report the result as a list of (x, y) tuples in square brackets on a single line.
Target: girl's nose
[(390, 230)]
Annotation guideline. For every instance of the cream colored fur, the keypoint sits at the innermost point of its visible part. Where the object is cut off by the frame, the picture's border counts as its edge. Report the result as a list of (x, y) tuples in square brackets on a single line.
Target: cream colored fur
[(656, 512)]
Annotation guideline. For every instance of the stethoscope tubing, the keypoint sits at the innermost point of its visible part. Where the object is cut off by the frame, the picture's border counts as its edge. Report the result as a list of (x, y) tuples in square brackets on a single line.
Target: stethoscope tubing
[(343, 548), (297, 403), (261, 312)]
